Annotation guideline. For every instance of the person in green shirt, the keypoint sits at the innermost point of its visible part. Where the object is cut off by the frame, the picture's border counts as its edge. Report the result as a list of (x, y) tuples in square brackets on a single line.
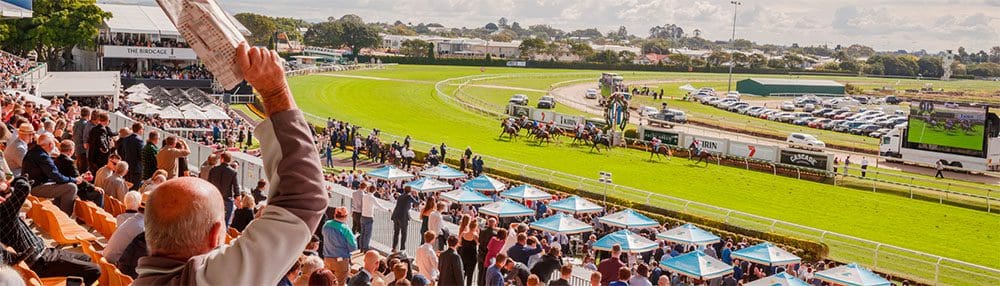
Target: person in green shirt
[(149, 155)]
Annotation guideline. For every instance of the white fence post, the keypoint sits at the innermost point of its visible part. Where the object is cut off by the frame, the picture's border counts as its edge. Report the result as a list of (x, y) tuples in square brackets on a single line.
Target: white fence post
[(875, 261)]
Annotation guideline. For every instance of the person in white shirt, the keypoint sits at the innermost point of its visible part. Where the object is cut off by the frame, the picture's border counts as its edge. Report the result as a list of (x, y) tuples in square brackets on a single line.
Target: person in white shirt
[(515, 228), (435, 223), (128, 229), (368, 206), (427, 259)]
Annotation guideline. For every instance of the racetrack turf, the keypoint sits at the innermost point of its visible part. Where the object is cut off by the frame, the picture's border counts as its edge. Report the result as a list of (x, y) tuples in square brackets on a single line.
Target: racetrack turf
[(410, 108)]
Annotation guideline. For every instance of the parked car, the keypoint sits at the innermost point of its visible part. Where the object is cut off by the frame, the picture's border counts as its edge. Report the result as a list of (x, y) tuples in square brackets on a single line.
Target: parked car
[(751, 109), (892, 99), (708, 90), (831, 124), (647, 110), (805, 140), (819, 122), (803, 120), (864, 129), (591, 94), (843, 115), (547, 102), (787, 117), (733, 94), (822, 112), (519, 99), (736, 106), (879, 133), (787, 106), (809, 107)]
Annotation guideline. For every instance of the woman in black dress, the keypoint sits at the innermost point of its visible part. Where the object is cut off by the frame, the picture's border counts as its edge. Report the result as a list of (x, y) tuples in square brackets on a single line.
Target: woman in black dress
[(425, 214), (468, 234)]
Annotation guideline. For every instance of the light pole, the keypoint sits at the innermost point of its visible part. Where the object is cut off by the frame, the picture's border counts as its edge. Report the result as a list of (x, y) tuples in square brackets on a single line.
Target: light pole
[(605, 178), (732, 60)]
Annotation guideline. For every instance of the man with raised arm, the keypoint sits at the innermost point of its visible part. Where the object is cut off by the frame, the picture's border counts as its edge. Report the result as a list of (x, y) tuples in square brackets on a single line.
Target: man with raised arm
[(185, 228)]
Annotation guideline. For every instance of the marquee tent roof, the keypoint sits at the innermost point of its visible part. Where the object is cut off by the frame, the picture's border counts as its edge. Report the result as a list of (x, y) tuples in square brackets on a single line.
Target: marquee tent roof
[(141, 19), (80, 84)]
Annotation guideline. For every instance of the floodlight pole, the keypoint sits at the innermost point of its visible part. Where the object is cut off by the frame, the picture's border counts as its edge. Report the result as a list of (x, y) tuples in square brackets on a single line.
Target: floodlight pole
[(732, 60)]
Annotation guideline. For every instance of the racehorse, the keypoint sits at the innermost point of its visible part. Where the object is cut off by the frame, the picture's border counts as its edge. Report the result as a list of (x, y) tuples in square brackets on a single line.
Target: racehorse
[(542, 136), (702, 156), (660, 150), (600, 140), (509, 130)]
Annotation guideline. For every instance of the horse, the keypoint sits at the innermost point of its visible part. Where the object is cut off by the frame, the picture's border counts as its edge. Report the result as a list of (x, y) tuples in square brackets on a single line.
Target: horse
[(702, 156), (554, 131), (510, 130), (660, 150), (542, 136), (600, 140)]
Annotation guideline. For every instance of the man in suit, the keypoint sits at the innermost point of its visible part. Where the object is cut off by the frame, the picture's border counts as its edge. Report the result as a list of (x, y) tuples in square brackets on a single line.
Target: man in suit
[(80, 128), (401, 218), (450, 264), (224, 178), (67, 166), (366, 276), (130, 150), (46, 180), (549, 263), (565, 274), (99, 142)]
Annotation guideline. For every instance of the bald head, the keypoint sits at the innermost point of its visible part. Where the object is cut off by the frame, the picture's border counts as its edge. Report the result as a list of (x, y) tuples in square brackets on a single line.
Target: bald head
[(184, 218), (372, 259)]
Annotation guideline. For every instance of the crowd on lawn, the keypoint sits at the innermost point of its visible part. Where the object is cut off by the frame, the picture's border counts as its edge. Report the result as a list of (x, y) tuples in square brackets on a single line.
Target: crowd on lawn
[(177, 220), (232, 134)]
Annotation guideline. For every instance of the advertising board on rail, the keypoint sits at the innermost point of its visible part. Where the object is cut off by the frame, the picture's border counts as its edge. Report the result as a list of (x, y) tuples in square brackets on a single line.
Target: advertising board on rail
[(753, 151), (705, 143)]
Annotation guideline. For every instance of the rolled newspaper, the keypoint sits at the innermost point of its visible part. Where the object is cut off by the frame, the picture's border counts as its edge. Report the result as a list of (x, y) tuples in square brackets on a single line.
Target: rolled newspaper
[(211, 33)]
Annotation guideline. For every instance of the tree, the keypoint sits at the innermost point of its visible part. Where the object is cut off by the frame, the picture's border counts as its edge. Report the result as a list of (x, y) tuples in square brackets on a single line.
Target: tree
[(860, 51), (502, 22), (679, 59), (503, 36), (400, 30), (349, 31), (55, 28), (742, 45), (849, 65), (930, 67), (697, 33), (777, 63), (669, 31), (546, 30), (606, 56), (586, 33), (740, 59), (985, 70), (531, 47), (626, 56), (582, 50), (261, 27), (656, 45), (794, 61), (995, 54), (491, 27), (413, 48), (717, 58), (758, 61)]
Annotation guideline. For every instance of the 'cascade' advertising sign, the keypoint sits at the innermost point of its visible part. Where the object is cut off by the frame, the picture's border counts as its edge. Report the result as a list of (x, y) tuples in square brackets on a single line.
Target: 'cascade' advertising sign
[(805, 159)]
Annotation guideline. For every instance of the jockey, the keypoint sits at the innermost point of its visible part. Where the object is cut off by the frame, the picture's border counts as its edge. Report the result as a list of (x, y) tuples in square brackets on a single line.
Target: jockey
[(656, 144)]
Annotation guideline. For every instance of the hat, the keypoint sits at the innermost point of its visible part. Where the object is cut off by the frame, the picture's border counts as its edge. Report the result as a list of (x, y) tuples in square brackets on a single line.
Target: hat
[(25, 128)]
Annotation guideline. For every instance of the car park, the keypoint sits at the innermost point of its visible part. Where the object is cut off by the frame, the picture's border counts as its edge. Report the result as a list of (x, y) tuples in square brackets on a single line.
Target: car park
[(591, 94), (864, 129), (519, 99), (547, 102)]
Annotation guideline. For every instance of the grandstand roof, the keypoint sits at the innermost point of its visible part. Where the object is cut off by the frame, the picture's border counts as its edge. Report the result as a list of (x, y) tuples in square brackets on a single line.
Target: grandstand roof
[(140, 19), (80, 84), (8, 10)]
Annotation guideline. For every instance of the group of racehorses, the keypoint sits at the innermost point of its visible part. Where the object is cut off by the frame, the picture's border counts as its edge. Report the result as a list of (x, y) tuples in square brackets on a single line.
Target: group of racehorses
[(544, 133)]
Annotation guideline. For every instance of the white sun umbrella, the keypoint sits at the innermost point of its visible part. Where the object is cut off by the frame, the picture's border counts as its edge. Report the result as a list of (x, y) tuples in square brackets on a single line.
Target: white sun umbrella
[(137, 88), (137, 97), (194, 114), (145, 108), (171, 112), (214, 112), (688, 88)]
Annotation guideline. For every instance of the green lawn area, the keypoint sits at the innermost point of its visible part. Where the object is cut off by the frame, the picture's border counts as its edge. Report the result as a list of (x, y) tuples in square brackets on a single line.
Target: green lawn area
[(413, 109)]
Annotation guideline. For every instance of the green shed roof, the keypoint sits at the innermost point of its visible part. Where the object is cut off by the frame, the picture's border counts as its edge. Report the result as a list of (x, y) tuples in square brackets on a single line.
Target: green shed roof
[(782, 81)]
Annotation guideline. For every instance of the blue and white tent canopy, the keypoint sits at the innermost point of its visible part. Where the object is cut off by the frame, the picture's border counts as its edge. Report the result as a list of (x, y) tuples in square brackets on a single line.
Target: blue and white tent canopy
[(688, 234), (466, 196), (628, 219), (485, 183), (443, 172), (525, 193), (506, 208), (780, 279), (697, 264), (852, 275), (576, 205), (426, 184), (767, 254), (630, 242), (390, 173), (561, 223)]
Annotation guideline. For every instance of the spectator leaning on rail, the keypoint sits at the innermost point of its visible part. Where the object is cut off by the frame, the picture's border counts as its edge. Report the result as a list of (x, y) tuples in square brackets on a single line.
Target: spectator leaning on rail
[(184, 217)]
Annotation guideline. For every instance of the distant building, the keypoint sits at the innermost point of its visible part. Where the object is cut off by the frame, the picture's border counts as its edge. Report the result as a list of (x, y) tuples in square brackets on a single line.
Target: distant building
[(778, 86)]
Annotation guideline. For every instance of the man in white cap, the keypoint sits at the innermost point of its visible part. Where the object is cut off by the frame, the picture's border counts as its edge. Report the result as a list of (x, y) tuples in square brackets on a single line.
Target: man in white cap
[(14, 154)]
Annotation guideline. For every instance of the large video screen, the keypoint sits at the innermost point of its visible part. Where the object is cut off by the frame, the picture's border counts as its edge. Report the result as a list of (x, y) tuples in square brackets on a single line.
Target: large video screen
[(947, 125)]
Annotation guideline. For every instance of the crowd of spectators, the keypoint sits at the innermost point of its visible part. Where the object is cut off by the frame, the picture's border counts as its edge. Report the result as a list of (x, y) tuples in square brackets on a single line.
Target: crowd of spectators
[(196, 71), (11, 69), (125, 40)]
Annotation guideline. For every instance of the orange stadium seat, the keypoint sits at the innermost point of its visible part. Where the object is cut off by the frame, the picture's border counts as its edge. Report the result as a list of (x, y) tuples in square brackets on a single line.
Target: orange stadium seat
[(32, 279), (64, 231)]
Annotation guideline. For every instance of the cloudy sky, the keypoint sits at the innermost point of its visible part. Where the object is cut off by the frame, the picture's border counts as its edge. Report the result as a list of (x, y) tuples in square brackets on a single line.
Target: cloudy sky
[(883, 24)]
